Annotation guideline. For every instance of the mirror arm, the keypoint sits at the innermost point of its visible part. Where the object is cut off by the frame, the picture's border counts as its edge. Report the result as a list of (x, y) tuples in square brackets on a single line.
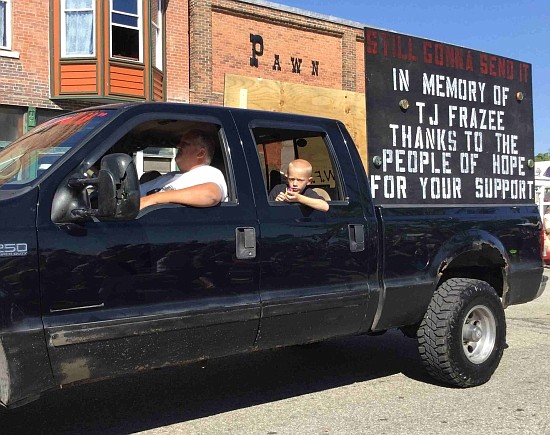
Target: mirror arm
[(81, 183), (84, 213)]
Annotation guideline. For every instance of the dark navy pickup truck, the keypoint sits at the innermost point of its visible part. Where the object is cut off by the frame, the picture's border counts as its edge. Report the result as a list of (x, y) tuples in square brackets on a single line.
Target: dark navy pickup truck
[(92, 287)]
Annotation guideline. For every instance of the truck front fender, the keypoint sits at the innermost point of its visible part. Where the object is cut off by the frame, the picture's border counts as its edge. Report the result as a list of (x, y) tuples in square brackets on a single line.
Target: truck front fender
[(25, 370)]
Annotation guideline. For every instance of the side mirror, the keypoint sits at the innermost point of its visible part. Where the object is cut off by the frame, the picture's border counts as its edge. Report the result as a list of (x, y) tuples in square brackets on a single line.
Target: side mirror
[(118, 188)]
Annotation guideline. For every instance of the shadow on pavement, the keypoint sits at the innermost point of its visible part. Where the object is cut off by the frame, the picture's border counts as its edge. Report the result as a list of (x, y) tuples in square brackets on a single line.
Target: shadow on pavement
[(174, 395)]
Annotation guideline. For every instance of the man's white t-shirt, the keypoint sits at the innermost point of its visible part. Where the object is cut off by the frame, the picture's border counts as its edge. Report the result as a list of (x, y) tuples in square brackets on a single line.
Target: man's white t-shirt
[(178, 180)]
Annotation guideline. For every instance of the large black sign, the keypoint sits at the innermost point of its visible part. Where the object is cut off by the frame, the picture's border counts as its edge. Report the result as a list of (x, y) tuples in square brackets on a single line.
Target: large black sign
[(446, 124)]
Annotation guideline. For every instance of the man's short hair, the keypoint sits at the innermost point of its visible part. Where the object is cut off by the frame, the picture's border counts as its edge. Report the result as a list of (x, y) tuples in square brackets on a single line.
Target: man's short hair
[(204, 140)]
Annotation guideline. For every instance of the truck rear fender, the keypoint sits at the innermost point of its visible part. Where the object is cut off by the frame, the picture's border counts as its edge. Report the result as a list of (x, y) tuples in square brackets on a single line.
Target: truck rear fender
[(473, 254)]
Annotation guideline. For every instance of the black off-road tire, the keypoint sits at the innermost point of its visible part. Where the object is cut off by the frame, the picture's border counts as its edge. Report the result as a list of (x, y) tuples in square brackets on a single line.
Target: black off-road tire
[(463, 334)]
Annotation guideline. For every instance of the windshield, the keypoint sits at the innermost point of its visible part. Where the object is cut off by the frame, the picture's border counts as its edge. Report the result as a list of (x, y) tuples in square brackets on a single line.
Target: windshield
[(26, 159)]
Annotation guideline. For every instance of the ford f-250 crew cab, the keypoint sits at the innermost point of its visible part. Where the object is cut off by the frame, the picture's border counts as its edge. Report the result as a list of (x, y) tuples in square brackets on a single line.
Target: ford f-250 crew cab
[(91, 287)]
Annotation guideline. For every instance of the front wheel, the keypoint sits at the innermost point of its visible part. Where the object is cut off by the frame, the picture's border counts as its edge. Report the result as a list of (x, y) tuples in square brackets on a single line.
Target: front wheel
[(462, 336)]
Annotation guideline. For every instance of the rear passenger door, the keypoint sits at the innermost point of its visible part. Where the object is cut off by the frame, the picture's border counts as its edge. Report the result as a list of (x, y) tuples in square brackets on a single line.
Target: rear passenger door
[(313, 274)]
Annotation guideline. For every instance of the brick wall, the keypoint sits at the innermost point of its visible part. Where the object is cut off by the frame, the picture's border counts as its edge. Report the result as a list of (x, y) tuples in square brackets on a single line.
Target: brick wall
[(220, 44), (200, 31), (25, 81), (232, 51), (205, 39), (177, 51), (360, 63)]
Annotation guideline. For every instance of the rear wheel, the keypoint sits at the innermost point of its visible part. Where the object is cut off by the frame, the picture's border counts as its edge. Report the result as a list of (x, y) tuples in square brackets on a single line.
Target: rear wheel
[(462, 336)]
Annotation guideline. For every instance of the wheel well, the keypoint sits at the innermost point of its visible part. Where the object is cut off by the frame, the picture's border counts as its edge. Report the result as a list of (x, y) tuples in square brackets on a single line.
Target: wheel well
[(485, 264)]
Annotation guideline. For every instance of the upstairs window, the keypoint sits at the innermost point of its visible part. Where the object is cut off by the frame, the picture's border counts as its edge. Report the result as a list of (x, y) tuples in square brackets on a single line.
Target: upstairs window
[(78, 29), (5, 24), (156, 33), (126, 38)]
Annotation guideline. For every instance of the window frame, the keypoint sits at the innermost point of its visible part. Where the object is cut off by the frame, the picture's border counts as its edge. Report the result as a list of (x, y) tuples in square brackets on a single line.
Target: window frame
[(139, 28), (193, 121), (339, 188), (79, 127), (157, 29), (63, 31), (7, 26)]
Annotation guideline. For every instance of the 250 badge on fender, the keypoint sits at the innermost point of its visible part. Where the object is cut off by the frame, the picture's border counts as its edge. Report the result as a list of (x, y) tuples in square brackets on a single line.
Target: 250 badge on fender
[(13, 249)]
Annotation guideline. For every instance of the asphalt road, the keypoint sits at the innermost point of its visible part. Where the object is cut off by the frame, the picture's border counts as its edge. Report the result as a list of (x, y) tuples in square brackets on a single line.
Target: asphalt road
[(360, 385)]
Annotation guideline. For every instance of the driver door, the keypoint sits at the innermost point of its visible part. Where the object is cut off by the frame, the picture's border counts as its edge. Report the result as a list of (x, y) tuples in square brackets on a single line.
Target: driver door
[(164, 288)]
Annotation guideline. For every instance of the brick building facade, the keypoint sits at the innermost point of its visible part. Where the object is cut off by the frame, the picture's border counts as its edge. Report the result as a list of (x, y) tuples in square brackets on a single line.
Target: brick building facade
[(189, 51)]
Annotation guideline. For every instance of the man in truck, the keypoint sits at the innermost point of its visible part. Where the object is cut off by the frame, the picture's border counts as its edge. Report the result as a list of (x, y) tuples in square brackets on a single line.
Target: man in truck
[(196, 184)]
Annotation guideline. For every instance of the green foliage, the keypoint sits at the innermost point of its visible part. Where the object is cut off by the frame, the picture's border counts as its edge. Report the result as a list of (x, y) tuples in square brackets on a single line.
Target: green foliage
[(542, 157)]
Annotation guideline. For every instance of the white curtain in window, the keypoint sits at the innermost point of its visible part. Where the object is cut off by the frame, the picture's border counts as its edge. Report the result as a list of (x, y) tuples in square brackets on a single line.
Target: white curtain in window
[(79, 36), (3, 35)]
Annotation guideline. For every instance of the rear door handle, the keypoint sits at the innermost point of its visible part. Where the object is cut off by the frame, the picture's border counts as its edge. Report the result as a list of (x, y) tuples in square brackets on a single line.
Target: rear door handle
[(245, 242), (356, 237)]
